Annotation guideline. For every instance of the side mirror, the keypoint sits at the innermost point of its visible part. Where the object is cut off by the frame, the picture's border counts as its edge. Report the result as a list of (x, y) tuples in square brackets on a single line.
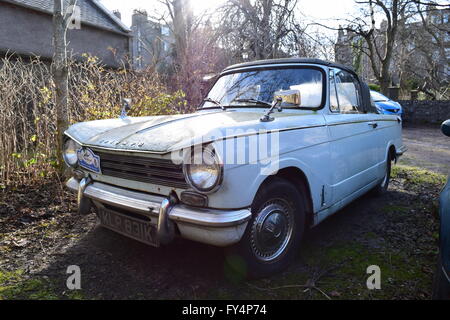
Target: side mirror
[(445, 127), (291, 97), (209, 77), (126, 106)]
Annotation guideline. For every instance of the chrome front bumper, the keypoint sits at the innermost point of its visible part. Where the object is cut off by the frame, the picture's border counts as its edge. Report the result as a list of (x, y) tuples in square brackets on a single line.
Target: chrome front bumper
[(211, 226)]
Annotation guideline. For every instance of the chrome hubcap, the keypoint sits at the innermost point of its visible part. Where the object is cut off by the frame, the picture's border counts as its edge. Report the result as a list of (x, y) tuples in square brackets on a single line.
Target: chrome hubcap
[(272, 230)]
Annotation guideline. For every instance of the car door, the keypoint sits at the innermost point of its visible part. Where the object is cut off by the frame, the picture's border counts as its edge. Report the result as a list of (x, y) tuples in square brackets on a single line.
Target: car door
[(351, 133)]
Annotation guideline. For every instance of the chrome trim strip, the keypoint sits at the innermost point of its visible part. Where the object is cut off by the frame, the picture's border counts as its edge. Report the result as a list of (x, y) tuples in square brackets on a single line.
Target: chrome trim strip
[(361, 121), (112, 149), (223, 138), (146, 204)]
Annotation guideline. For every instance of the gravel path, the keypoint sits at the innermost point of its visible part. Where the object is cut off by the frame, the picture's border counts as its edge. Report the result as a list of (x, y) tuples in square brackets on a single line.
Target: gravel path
[(428, 148)]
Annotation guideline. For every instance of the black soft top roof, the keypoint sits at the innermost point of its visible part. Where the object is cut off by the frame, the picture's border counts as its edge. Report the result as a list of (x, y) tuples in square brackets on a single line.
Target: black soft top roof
[(290, 60)]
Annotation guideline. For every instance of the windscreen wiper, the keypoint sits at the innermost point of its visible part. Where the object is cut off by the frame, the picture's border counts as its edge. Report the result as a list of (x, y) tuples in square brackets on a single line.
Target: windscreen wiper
[(217, 103), (264, 103)]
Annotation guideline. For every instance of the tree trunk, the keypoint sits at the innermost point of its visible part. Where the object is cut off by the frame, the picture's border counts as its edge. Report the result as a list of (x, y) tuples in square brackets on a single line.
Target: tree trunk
[(179, 28), (384, 86), (60, 77)]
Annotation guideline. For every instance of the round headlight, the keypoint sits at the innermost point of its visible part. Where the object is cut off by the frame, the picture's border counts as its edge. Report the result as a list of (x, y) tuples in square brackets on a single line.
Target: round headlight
[(204, 171), (70, 152)]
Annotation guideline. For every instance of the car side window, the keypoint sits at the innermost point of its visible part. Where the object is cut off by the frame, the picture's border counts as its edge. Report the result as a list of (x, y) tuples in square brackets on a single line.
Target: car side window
[(347, 89)]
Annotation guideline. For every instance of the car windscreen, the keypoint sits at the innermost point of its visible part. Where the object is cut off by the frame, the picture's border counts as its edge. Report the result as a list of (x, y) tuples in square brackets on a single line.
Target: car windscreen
[(262, 84), (378, 97)]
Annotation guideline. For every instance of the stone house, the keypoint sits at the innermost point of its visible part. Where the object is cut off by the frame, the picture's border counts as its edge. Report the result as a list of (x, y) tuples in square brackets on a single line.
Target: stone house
[(152, 42), (26, 30)]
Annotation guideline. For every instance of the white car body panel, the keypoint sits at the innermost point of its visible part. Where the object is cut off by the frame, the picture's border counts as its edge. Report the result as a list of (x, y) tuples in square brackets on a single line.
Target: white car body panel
[(341, 155)]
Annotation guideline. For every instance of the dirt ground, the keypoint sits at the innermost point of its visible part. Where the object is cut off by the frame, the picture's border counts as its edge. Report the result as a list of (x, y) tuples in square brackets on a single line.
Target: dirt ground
[(41, 235), (428, 148)]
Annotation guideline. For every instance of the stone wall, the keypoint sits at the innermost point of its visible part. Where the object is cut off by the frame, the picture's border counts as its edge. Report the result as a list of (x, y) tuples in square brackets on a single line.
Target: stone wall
[(426, 111)]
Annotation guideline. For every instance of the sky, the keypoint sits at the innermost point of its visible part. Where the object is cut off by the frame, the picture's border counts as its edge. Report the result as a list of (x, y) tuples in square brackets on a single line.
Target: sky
[(317, 10)]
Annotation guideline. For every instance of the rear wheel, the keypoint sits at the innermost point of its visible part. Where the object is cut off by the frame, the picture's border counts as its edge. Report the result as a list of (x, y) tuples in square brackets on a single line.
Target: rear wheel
[(441, 286), (382, 187), (273, 235)]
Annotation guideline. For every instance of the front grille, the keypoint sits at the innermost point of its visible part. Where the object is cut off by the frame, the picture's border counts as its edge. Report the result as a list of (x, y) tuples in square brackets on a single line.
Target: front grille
[(156, 171)]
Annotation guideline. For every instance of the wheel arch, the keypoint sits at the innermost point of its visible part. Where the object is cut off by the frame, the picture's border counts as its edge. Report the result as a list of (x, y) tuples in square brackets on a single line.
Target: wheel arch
[(392, 151), (300, 181)]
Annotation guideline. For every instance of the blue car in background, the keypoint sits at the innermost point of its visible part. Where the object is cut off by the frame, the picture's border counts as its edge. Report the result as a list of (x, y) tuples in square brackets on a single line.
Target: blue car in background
[(385, 105), (441, 283)]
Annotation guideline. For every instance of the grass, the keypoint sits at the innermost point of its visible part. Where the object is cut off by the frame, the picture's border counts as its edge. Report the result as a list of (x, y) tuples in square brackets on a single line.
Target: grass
[(15, 286), (417, 176)]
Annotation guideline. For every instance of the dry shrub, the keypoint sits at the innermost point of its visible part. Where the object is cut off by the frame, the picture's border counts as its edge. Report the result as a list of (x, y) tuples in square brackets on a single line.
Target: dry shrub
[(28, 116)]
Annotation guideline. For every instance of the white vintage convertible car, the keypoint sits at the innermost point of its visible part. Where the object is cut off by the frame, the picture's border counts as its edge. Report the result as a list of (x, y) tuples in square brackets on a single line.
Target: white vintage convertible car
[(276, 147)]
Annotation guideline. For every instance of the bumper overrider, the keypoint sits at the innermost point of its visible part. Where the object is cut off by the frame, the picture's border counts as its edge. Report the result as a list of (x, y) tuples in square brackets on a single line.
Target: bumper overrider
[(164, 214)]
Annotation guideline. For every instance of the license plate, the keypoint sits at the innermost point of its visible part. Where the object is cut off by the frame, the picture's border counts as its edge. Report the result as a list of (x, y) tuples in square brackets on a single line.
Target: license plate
[(131, 227)]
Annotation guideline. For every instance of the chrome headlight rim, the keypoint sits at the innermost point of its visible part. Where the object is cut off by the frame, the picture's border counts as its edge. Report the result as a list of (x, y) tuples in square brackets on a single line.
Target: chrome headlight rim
[(219, 180), (72, 159)]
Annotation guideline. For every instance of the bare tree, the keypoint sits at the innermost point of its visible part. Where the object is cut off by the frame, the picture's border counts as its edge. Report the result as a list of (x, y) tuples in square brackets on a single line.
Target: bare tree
[(258, 28), (182, 24), (311, 44), (431, 46), (61, 20), (195, 52), (386, 46), (380, 42)]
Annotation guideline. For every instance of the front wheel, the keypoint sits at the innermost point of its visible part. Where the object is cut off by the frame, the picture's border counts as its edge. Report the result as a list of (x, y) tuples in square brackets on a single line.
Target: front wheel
[(273, 235)]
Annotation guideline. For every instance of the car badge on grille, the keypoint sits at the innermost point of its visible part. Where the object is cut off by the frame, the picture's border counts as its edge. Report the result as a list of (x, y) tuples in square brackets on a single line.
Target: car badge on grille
[(89, 160)]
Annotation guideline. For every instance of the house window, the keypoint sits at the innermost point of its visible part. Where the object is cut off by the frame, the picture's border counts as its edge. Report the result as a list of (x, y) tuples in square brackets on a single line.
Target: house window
[(165, 46), (436, 19), (445, 18), (165, 31)]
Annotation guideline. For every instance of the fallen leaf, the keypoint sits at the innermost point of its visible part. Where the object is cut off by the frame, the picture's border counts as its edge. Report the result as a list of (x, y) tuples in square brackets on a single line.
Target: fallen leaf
[(335, 294)]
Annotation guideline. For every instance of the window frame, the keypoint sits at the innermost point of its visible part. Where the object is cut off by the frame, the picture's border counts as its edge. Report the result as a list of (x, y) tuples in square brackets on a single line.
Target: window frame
[(331, 74), (357, 87), (274, 67)]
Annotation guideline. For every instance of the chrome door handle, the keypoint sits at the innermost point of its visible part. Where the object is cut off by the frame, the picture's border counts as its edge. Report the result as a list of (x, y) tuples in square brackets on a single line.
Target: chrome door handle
[(373, 124)]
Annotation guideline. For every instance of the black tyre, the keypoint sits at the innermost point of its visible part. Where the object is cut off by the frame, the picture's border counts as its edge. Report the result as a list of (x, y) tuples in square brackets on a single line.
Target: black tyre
[(273, 235), (441, 285), (382, 187)]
